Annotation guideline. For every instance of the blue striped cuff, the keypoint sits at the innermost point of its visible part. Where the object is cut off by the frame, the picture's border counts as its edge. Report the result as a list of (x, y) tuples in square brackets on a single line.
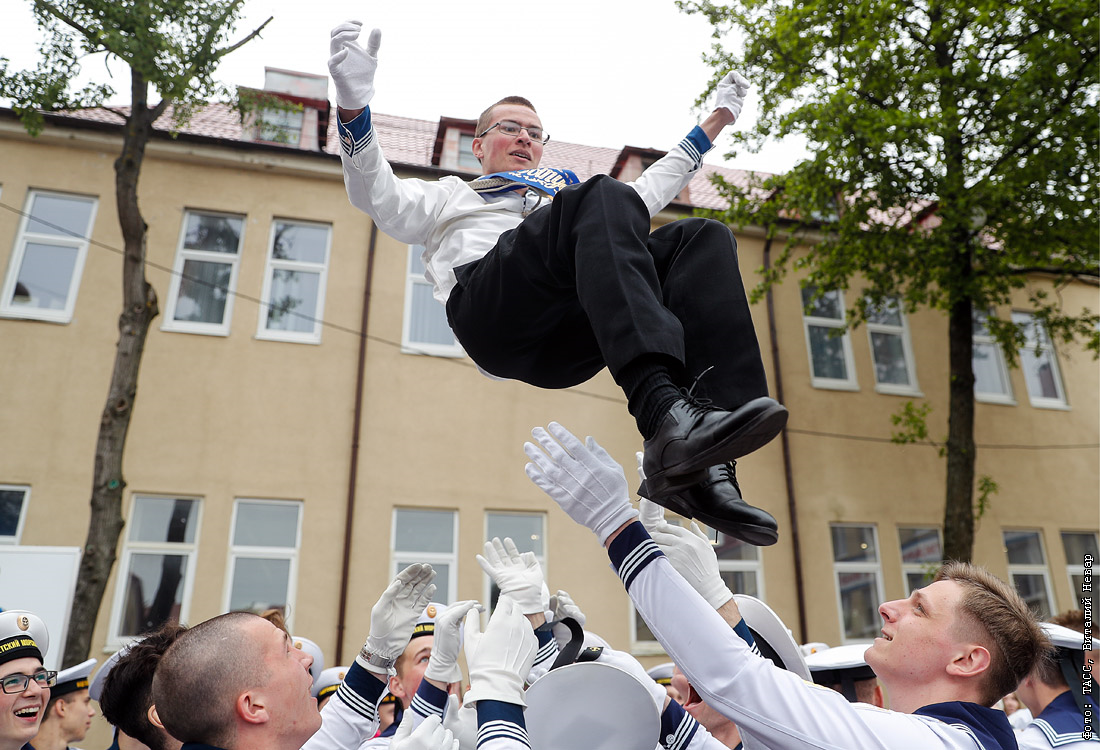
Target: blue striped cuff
[(361, 691), (695, 144), (677, 727), (357, 134), (429, 700), (548, 647), (500, 720), (631, 551)]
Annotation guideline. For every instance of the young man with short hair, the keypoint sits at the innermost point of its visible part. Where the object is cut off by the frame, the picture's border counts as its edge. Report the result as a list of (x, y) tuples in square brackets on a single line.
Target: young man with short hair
[(69, 712), (548, 280)]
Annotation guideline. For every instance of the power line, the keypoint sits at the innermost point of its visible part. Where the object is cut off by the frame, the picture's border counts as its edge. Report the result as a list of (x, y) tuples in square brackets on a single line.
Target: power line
[(469, 363)]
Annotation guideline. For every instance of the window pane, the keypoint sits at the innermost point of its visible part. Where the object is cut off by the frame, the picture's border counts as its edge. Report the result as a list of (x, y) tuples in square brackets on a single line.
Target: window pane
[(162, 519), (45, 276), (154, 587), (216, 234), (889, 355), (416, 264), (424, 531), (1032, 587), (59, 216), (828, 354), (729, 548), (204, 289), (916, 581), (859, 603), (259, 584), (827, 306), (1039, 373), (466, 156), (293, 303), (266, 525), (740, 581), (1077, 545), (428, 319), (301, 242), (11, 506), (854, 544), (989, 377), (1024, 548), (525, 530), (920, 545), (887, 313)]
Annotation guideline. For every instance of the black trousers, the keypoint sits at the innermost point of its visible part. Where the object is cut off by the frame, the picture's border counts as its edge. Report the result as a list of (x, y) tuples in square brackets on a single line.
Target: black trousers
[(582, 284)]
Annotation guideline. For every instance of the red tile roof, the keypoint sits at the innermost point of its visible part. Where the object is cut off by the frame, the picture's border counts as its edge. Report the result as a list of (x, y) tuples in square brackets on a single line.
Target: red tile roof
[(407, 141)]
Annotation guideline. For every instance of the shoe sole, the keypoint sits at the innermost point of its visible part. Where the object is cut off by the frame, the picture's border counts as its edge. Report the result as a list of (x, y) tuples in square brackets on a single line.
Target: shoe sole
[(757, 432), (749, 533)]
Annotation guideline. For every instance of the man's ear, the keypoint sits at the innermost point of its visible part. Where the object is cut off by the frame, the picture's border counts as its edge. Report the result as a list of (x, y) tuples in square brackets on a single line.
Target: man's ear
[(60, 707), (251, 708), (878, 699), (154, 717), (475, 146), (397, 688), (973, 661)]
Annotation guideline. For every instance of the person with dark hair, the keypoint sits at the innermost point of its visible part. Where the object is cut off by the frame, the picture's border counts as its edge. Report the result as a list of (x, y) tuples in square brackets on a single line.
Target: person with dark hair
[(69, 712), (549, 280), (125, 690), (947, 653)]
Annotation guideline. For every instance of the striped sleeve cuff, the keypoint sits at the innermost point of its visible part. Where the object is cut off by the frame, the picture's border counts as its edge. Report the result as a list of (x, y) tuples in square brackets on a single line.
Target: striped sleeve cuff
[(497, 720), (677, 727), (631, 551), (695, 144), (429, 700), (742, 630), (357, 134), (548, 647), (361, 691)]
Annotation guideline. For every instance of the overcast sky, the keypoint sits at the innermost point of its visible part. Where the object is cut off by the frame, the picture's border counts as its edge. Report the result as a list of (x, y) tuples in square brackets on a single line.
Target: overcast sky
[(601, 72)]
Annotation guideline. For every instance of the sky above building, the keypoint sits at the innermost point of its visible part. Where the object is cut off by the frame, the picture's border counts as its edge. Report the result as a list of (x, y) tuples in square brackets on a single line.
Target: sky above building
[(605, 73)]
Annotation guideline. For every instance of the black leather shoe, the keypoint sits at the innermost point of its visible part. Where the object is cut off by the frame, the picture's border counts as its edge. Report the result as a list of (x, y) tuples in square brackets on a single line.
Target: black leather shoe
[(716, 501), (694, 436)]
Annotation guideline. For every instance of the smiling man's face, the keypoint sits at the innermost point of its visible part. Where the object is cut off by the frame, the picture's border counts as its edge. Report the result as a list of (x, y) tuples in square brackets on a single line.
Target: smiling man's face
[(500, 152)]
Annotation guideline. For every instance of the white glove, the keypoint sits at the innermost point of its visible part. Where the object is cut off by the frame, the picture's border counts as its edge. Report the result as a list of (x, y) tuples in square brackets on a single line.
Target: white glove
[(394, 616), (443, 663), (731, 93), (518, 576), (580, 477), (689, 551), (562, 606), (428, 735), (462, 721), (352, 67), (629, 664), (500, 658)]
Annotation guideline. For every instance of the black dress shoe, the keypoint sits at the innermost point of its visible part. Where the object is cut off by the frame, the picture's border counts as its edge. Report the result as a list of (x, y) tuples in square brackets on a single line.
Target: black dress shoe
[(694, 436), (716, 501)]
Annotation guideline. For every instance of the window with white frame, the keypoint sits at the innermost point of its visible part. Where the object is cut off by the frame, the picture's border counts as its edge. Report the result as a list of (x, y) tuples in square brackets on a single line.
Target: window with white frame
[(830, 349), (1039, 365), (263, 556), (891, 349), (526, 530), (294, 281), (425, 329), (991, 383), (466, 158), (858, 573), (1078, 545), (428, 536), (741, 569), (205, 275), (1027, 570), (157, 566), (14, 499), (921, 555), (48, 258)]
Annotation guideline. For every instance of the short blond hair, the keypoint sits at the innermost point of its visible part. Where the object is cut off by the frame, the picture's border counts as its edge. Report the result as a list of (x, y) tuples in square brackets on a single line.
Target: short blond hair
[(1012, 635), (483, 121)]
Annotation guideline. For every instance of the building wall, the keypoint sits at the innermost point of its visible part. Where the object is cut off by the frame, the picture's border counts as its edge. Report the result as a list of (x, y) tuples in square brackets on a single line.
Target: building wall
[(226, 417)]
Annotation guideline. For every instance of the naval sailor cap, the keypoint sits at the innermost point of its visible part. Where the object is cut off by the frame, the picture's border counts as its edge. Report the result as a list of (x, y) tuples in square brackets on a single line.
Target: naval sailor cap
[(311, 648), (772, 637), (22, 634), (73, 679), (662, 673)]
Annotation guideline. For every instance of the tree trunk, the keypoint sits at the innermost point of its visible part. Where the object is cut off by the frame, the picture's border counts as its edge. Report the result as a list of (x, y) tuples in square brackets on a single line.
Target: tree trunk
[(958, 517), (139, 308)]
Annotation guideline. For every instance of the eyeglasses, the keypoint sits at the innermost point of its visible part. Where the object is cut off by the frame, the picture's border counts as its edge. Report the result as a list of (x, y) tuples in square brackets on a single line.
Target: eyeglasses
[(513, 129), (17, 683)]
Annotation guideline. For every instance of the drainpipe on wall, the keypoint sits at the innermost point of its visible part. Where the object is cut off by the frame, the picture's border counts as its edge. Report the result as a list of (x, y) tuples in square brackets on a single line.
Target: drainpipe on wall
[(353, 469), (792, 506)]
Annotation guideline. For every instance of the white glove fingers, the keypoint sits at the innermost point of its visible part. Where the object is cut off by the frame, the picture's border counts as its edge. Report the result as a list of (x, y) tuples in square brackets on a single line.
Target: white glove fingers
[(500, 551), (652, 515), (404, 729), (546, 464), (510, 549), (491, 555), (553, 448), (640, 456), (374, 41), (567, 439), (598, 451), (699, 532)]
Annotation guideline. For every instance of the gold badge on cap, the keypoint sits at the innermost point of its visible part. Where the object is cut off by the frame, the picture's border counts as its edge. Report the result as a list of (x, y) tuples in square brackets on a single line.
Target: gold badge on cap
[(298, 645), (431, 610), (23, 622)]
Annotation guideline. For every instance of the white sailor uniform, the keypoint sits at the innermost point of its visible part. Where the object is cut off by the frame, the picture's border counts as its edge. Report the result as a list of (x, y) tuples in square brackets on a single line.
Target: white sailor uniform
[(775, 706), (1061, 725)]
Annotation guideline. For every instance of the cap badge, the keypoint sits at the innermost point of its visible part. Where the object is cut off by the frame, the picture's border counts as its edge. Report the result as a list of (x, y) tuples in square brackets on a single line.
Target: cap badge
[(23, 622)]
